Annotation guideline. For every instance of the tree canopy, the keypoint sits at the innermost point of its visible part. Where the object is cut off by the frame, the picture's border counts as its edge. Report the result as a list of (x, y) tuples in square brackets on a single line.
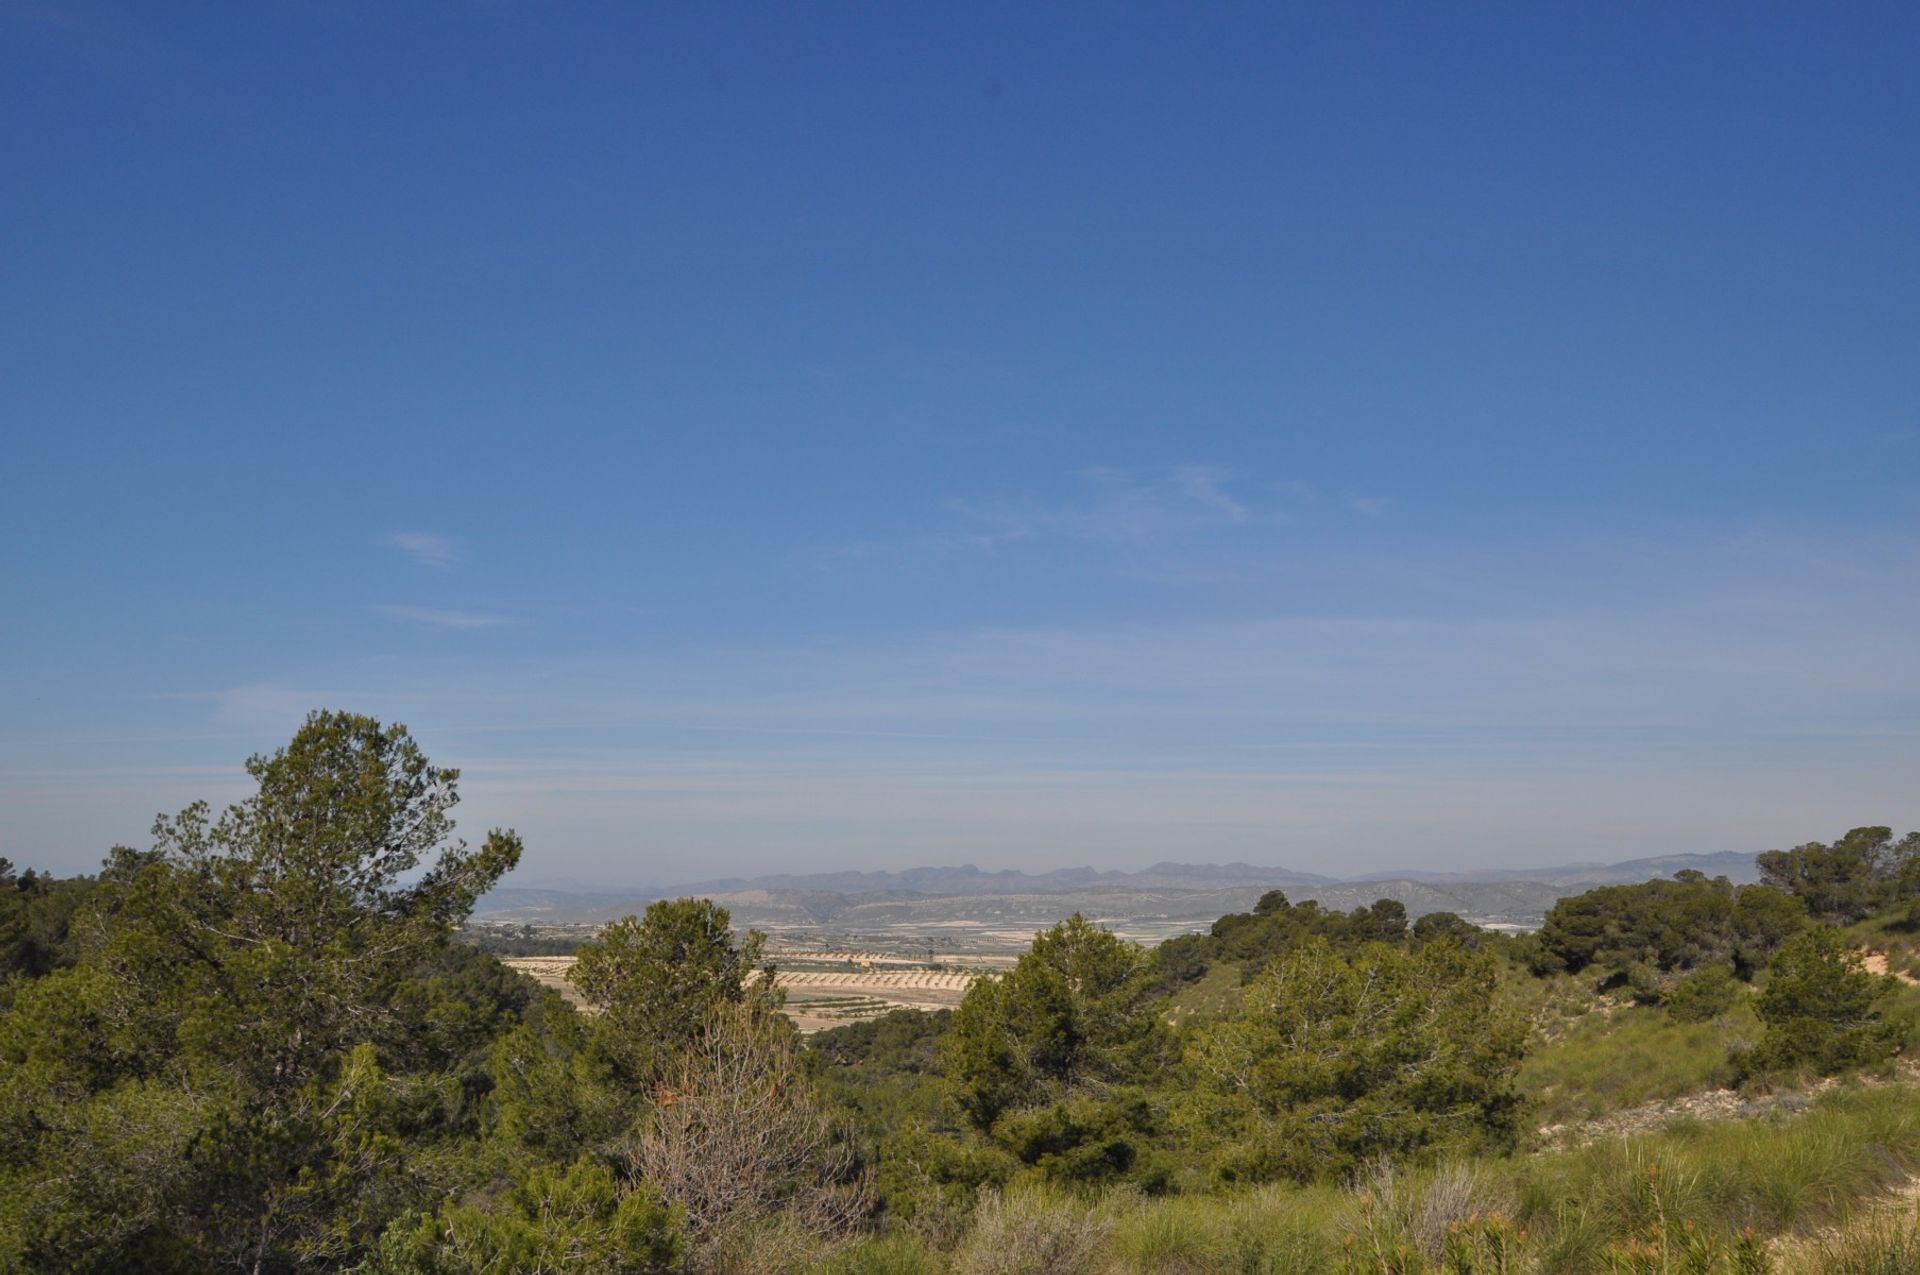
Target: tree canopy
[(1857, 875), (658, 977), (228, 1073), (256, 1045), (1074, 1012), (1334, 1057), (1669, 925)]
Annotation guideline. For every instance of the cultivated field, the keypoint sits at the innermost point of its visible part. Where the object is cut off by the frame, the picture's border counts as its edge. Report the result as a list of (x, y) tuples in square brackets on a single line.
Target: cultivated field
[(816, 998)]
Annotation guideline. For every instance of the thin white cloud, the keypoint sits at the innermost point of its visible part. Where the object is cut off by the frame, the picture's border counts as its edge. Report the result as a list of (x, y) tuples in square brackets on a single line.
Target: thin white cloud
[(1597, 703), (446, 619), (1200, 485), (429, 549), (1117, 509), (1125, 507)]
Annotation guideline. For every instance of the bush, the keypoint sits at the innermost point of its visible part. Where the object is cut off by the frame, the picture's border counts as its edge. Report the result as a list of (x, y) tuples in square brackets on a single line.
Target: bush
[(1705, 994), (578, 1219), (1086, 1141), (1031, 1232), (740, 1142), (1668, 925), (1338, 1057), (1820, 1008)]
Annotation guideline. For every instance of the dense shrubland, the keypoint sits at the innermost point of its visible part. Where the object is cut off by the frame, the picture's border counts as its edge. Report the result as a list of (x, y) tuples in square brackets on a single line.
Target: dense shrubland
[(258, 1046)]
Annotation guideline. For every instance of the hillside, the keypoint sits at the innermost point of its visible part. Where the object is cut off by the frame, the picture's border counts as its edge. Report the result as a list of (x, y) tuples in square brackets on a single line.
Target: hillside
[(1153, 902)]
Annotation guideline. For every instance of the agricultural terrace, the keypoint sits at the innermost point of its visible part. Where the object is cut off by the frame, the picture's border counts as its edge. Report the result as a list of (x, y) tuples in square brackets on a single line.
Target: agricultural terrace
[(816, 999)]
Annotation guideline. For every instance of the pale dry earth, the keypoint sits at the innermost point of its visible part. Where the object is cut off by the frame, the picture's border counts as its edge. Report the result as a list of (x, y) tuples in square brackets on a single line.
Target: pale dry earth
[(816, 999), (1876, 963)]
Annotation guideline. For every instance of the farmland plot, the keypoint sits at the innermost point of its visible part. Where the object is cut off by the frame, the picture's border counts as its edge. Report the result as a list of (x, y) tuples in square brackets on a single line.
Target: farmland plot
[(816, 999)]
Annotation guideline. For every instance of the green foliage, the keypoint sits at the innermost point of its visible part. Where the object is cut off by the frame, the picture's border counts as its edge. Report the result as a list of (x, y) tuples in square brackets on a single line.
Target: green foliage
[(884, 1255), (1721, 1189), (903, 1041), (1859, 874), (1435, 926), (265, 1035), (1668, 925), (1604, 1062), (932, 1180), (572, 1219), (883, 1070), (1084, 1140), (1276, 925), (554, 1095), (1335, 1058), (1182, 959), (257, 1046), (37, 915), (1677, 1246), (519, 941), (1249, 940), (1074, 1012), (1705, 994), (1822, 1009), (658, 977)]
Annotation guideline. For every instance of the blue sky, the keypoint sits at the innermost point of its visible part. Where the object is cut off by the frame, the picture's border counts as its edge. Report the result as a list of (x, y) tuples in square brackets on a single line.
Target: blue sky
[(760, 437)]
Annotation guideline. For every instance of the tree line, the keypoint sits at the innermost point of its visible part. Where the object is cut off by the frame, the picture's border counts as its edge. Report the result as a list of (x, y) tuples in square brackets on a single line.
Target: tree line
[(259, 1045)]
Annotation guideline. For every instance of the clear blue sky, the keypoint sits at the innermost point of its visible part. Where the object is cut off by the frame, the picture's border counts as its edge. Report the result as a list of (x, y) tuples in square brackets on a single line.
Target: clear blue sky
[(753, 436)]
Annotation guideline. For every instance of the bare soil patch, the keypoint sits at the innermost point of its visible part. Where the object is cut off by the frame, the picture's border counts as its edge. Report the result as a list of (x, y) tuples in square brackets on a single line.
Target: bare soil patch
[(816, 999)]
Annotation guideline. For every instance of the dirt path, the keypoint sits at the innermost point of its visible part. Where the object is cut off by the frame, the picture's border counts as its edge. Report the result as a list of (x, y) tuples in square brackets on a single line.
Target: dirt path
[(1877, 964), (1651, 1117), (1812, 1251)]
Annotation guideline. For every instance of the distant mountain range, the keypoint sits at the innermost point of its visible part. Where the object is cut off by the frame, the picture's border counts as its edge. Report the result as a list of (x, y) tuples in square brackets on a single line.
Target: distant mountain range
[(1735, 865), (1165, 893), (967, 879)]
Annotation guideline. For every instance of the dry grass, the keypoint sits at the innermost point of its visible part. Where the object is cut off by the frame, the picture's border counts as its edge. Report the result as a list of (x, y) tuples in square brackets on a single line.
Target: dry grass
[(1032, 1232)]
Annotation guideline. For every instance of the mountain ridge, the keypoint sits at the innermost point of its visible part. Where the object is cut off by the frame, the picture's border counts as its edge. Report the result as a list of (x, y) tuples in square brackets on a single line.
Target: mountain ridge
[(1159, 888)]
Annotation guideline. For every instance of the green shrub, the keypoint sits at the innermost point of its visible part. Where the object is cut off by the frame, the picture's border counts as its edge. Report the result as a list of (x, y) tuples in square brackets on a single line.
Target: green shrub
[(1337, 1057), (1821, 1008), (1705, 994), (577, 1219)]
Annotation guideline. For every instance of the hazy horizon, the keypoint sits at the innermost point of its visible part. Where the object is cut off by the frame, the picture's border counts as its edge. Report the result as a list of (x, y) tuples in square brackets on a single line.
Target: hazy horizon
[(664, 888), (835, 440)]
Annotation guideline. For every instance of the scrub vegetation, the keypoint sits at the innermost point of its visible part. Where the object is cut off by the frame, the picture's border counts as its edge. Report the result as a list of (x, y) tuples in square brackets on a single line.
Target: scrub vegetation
[(257, 1045)]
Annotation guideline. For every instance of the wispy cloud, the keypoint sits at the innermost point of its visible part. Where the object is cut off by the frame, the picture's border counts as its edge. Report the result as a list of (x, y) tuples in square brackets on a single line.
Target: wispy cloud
[(1201, 487), (1683, 696), (446, 619), (1121, 507), (429, 549), (1116, 509)]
